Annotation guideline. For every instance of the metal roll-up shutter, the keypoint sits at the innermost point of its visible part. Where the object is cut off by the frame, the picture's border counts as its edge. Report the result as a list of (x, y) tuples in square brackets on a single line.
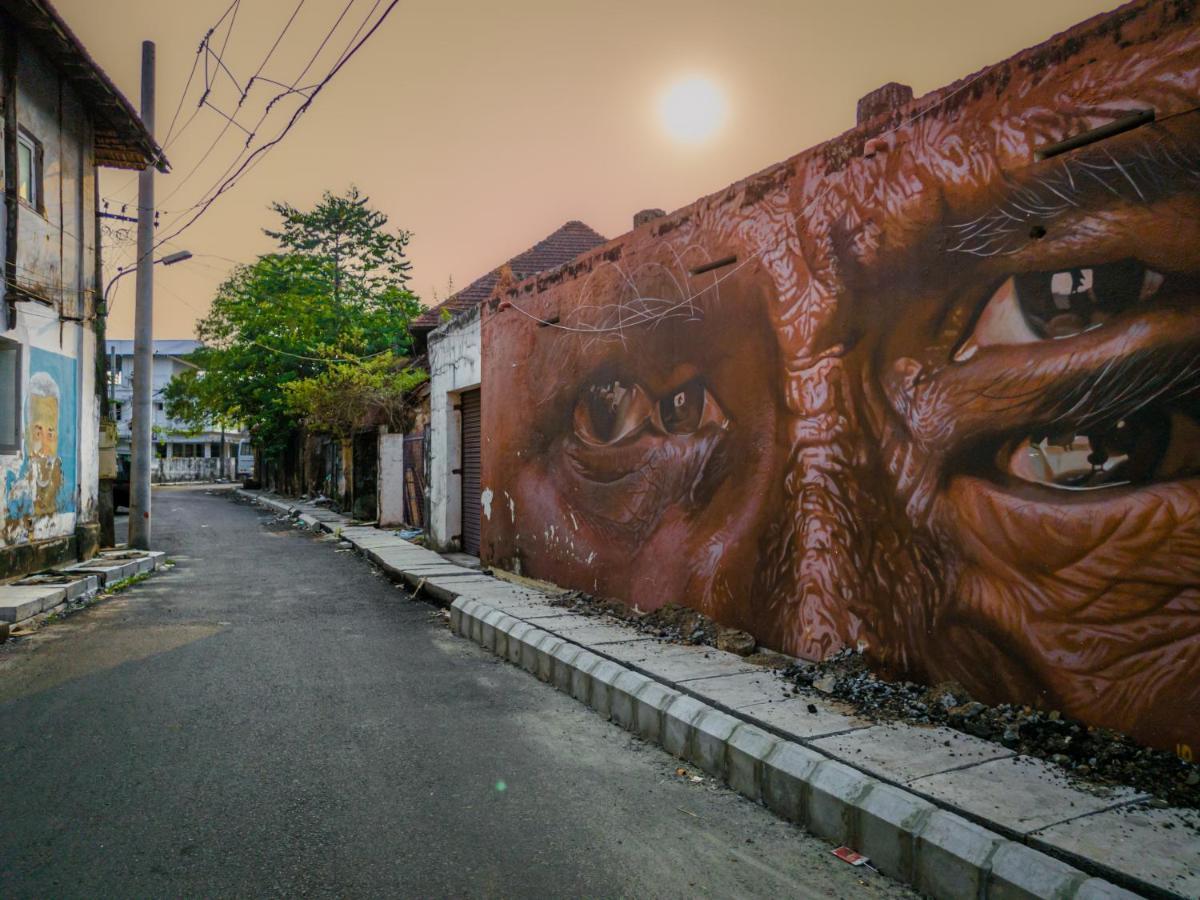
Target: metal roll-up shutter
[(470, 407)]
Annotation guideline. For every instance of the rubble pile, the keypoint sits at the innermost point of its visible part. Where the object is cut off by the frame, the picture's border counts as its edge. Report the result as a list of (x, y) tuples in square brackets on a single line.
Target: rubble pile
[(679, 624), (1093, 754), (1087, 753)]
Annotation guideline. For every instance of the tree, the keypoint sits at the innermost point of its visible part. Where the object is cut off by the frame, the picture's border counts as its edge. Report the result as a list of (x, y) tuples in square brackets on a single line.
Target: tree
[(334, 295), (366, 263)]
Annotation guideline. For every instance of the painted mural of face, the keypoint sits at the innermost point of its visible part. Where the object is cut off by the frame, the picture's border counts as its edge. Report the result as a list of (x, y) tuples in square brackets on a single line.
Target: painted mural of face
[(1019, 471), (643, 456), (43, 425), (944, 406)]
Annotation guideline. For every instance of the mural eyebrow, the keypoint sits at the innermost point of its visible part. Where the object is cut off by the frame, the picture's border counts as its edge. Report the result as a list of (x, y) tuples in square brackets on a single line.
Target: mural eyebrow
[(1155, 166)]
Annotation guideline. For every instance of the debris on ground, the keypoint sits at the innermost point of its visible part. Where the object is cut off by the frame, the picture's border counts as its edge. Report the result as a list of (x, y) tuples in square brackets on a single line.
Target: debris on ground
[(845, 854), (734, 641), (670, 622), (1096, 755)]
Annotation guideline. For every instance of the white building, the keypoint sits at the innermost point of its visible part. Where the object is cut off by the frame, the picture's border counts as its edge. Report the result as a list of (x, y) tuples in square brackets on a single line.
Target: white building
[(67, 118), (180, 453), (451, 332)]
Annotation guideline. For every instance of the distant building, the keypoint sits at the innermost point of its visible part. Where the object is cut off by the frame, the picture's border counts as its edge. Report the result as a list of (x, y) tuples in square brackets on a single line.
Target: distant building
[(180, 454), (70, 119)]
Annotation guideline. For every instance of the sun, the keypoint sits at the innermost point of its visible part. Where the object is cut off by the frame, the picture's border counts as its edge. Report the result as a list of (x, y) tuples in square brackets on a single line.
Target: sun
[(692, 109)]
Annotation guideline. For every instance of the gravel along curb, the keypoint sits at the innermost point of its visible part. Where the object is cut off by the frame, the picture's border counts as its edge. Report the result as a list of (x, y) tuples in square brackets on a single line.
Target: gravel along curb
[(906, 837)]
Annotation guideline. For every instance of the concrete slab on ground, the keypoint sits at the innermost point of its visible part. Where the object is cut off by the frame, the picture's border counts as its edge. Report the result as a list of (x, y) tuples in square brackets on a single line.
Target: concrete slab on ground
[(676, 664), (805, 716), (107, 572), (590, 632), (737, 691), (903, 753), (18, 603), (75, 586), (1021, 794), (1159, 846)]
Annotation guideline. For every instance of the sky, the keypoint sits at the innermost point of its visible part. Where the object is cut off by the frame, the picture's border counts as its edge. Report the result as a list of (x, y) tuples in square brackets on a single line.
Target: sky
[(483, 126)]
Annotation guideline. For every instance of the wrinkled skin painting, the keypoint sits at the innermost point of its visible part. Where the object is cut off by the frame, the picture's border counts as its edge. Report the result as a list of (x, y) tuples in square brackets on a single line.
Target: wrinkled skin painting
[(916, 391), (39, 488)]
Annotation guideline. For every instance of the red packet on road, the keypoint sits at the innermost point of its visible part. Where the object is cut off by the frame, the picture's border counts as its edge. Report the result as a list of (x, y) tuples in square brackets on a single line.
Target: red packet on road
[(845, 854)]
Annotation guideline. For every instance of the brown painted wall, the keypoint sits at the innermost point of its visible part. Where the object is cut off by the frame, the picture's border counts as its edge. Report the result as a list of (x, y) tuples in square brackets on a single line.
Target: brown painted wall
[(939, 399)]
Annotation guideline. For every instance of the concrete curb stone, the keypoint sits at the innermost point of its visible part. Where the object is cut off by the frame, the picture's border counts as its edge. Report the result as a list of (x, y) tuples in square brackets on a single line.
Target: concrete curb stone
[(953, 856), (748, 748), (679, 719), (649, 704), (888, 821), (786, 773), (1020, 873), (835, 792)]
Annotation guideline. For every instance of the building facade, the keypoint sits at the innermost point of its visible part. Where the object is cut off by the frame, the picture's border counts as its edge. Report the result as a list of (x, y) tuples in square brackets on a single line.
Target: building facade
[(180, 452), (62, 118), (456, 441), (927, 390)]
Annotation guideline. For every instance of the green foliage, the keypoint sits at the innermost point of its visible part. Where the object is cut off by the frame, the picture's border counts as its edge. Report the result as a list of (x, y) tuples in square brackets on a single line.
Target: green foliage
[(334, 293), (346, 394)]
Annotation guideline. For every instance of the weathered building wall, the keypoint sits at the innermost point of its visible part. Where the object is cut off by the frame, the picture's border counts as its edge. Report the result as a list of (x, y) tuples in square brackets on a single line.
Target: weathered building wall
[(916, 390), (454, 367), (50, 476)]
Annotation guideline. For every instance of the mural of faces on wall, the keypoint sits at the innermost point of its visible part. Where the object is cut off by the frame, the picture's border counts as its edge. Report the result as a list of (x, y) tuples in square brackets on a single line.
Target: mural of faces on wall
[(41, 485), (916, 391)]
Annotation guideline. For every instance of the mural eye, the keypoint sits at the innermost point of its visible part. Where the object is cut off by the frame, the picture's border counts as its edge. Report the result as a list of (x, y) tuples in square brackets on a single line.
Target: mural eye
[(689, 408), (606, 413), (1040, 306)]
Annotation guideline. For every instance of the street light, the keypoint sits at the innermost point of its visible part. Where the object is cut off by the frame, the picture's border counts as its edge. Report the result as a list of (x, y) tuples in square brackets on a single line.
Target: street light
[(169, 260)]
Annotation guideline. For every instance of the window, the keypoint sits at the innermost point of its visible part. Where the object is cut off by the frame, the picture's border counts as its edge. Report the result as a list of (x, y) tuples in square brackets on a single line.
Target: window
[(10, 396), (29, 170), (117, 410), (160, 450)]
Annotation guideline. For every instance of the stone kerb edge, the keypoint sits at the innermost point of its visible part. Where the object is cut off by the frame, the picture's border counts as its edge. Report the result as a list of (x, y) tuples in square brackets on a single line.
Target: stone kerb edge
[(906, 836)]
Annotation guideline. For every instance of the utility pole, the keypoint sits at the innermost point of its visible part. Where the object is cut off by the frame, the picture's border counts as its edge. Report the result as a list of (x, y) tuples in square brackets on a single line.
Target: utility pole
[(143, 331)]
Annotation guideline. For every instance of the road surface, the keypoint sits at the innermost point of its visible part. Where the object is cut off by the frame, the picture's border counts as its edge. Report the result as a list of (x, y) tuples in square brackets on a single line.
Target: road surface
[(272, 717)]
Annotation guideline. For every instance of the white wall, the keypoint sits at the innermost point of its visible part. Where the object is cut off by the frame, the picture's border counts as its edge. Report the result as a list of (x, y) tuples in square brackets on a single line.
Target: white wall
[(391, 479), (454, 366)]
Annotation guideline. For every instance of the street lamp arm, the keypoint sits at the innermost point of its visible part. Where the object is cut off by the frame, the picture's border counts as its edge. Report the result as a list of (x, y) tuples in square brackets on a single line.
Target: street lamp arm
[(169, 260)]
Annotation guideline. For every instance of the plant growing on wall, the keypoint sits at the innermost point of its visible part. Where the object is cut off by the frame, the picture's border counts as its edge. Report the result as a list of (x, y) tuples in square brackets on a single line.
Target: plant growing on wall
[(347, 394)]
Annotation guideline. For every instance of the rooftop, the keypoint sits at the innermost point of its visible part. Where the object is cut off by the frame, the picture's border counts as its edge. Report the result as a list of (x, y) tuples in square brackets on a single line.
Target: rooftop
[(560, 247), (121, 138)]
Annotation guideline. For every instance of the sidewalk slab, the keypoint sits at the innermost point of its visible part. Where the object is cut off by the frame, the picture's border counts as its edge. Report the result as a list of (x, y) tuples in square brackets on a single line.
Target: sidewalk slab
[(904, 753), (76, 586), (806, 716), (19, 603), (737, 691), (108, 572), (1159, 846), (1021, 794), (590, 632), (675, 664)]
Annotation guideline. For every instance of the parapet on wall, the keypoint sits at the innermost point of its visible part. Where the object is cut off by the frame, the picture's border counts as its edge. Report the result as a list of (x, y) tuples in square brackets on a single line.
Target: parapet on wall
[(928, 389)]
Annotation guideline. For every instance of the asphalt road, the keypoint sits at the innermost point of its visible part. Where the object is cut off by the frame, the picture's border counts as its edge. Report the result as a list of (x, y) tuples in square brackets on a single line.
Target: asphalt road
[(272, 717)]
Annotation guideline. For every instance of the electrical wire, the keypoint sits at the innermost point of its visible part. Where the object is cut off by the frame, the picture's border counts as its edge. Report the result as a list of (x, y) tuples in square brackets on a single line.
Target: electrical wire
[(264, 148)]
